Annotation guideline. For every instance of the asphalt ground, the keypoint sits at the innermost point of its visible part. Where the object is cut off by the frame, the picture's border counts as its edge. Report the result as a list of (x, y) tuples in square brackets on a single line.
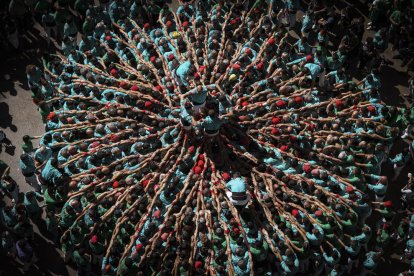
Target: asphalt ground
[(19, 117)]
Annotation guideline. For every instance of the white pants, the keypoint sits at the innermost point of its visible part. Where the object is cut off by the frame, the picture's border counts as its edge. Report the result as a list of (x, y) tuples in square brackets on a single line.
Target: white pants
[(238, 202)]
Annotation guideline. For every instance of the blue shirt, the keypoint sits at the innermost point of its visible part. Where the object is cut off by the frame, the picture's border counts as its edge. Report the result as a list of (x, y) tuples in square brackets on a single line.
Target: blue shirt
[(236, 185)]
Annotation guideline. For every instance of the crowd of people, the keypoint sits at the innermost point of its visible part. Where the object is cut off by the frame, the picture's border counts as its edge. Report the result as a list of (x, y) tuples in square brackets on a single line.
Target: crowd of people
[(228, 137)]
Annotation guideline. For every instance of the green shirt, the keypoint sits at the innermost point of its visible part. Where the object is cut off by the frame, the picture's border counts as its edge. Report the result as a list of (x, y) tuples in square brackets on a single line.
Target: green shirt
[(80, 260), (27, 147)]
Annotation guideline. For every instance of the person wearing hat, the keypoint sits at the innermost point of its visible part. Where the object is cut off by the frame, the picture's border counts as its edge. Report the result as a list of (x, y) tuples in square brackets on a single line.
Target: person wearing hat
[(97, 248), (386, 210)]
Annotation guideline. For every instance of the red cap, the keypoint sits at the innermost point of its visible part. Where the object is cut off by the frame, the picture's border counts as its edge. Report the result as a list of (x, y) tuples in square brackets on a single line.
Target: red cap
[(233, 21), (51, 115), (145, 183), (197, 170), (307, 168), (236, 231), (284, 148), (309, 58), (138, 247), (134, 88), (108, 38), (349, 189), (95, 144), (298, 100), (191, 149), (236, 66), (185, 24), (244, 103), (271, 41), (198, 265), (94, 239), (169, 24), (171, 57), (247, 51), (318, 213), (122, 84), (157, 214), (260, 65), (152, 59), (295, 212), (275, 131), (114, 138), (164, 236), (276, 120), (148, 104), (115, 184), (281, 104), (371, 108), (114, 72), (146, 25), (388, 203), (226, 176), (338, 103)]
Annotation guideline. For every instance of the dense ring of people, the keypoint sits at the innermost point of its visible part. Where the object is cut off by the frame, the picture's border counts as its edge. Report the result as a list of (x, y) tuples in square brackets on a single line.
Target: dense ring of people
[(202, 140)]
